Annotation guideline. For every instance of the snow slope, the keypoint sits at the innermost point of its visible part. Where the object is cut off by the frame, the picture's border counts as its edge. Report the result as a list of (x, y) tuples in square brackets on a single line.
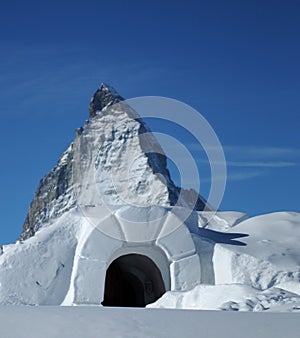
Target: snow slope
[(91, 322), (38, 270)]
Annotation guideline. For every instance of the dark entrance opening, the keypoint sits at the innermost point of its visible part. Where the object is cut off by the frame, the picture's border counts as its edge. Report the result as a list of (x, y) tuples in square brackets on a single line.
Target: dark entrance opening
[(132, 280)]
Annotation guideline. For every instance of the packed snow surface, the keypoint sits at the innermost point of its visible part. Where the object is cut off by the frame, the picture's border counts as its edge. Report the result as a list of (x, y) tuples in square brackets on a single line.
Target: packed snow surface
[(91, 322)]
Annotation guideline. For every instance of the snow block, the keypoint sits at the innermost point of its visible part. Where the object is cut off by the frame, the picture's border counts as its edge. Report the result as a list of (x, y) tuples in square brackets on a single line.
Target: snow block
[(93, 252), (89, 282), (205, 251), (175, 239), (141, 224), (185, 273), (235, 267), (98, 245)]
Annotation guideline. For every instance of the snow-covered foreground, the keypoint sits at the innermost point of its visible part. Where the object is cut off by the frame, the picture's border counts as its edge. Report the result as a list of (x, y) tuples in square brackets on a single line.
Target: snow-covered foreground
[(251, 265), (78, 322)]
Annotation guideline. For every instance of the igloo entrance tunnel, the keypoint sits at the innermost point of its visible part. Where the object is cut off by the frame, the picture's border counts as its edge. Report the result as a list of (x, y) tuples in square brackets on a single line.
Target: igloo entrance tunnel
[(133, 280)]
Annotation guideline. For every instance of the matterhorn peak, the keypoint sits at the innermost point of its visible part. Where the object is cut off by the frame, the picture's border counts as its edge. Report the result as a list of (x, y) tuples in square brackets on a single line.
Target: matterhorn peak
[(105, 96), (114, 160)]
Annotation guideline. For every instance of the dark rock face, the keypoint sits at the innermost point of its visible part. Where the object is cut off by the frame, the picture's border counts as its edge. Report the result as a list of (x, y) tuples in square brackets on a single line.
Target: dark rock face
[(105, 96), (56, 192), (52, 197)]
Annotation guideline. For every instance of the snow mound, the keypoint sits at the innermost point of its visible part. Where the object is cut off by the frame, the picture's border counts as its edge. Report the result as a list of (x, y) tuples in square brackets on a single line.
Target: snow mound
[(267, 255), (235, 297)]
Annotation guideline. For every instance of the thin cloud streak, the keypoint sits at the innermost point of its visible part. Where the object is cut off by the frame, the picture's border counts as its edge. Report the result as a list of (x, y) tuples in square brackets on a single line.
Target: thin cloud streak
[(240, 176), (261, 164), (244, 176), (253, 164), (262, 151), (253, 151), (254, 156)]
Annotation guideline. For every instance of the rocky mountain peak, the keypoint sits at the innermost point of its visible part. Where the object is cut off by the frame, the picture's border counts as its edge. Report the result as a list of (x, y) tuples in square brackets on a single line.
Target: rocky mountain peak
[(105, 96), (113, 160)]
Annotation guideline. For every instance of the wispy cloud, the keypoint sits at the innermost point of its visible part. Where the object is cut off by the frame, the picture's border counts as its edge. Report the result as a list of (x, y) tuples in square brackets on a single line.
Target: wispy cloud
[(261, 151), (238, 176), (262, 164), (231, 177), (249, 164), (250, 151)]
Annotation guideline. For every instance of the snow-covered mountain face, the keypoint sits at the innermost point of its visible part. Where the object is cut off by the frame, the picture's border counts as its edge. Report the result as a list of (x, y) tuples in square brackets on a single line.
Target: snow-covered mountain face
[(114, 160)]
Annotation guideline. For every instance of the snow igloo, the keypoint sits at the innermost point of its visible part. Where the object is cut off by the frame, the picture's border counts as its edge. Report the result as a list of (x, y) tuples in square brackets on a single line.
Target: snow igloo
[(132, 256)]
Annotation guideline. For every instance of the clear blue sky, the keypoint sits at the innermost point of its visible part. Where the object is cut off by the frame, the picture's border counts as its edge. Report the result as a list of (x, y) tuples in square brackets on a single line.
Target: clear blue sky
[(237, 62)]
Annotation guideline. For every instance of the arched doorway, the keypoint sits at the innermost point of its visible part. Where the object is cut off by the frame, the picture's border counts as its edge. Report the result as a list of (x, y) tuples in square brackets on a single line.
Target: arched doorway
[(132, 280)]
